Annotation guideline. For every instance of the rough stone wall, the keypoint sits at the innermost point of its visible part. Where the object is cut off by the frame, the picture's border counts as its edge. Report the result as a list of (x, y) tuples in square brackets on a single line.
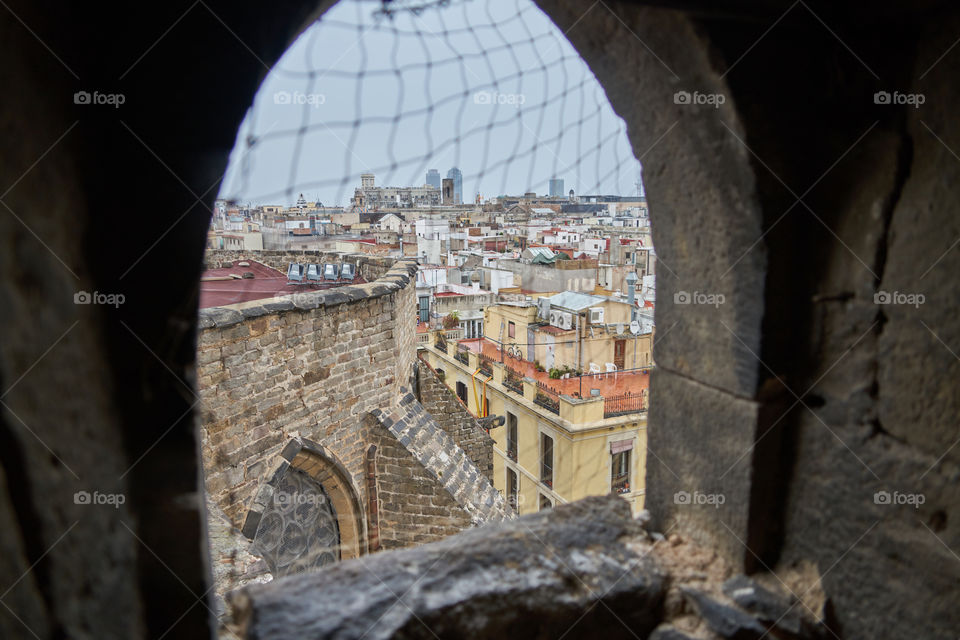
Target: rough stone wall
[(230, 560), (428, 488), (123, 378), (413, 507), (449, 412), (274, 372), (810, 400)]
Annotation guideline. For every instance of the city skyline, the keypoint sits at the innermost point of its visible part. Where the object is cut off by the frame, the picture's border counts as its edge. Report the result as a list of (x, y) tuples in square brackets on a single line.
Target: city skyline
[(356, 95)]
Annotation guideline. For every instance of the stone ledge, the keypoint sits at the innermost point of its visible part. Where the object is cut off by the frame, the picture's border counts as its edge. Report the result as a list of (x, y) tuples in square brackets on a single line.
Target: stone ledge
[(578, 571), (491, 582), (399, 276)]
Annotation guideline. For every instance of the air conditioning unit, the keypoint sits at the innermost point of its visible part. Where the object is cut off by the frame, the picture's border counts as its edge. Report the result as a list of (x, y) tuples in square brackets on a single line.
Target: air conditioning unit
[(555, 318), (596, 315), (566, 321)]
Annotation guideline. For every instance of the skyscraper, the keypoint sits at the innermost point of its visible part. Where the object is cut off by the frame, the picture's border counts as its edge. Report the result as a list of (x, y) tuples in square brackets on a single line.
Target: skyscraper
[(457, 177), (556, 187), (433, 178)]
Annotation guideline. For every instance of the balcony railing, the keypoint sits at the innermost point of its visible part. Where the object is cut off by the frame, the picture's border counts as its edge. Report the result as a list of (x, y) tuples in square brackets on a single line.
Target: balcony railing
[(622, 405), (462, 356), (486, 365), (513, 382), (440, 343), (547, 398)]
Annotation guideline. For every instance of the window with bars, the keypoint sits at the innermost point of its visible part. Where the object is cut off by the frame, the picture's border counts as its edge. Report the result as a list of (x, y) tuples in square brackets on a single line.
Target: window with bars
[(512, 436)]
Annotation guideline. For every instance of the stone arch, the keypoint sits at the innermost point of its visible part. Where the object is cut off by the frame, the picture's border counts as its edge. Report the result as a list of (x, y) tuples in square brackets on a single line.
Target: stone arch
[(101, 164), (323, 467)]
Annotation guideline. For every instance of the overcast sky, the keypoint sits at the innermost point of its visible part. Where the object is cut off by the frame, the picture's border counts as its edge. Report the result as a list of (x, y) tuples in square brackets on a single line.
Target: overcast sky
[(492, 87)]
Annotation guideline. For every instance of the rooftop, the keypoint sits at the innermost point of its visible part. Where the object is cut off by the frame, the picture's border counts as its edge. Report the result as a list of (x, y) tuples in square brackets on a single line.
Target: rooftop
[(608, 384), (226, 285), (575, 301)]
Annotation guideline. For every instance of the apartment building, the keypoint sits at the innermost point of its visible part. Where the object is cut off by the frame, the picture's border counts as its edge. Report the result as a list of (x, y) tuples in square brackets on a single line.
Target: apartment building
[(564, 436)]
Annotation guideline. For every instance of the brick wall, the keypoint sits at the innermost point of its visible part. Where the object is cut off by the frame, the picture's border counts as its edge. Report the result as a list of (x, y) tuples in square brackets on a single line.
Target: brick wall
[(428, 487), (271, 373), (453, 417), (414, 507)]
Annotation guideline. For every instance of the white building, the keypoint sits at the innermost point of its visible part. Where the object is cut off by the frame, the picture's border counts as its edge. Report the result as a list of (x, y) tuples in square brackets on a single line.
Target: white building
[(391, 222)]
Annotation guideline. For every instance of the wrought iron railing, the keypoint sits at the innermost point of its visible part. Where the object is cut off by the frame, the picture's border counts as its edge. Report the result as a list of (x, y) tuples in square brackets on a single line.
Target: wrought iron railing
[(622, 405), (547, 398), (462, 355), (486, 364), (440, 343), (513, 382)]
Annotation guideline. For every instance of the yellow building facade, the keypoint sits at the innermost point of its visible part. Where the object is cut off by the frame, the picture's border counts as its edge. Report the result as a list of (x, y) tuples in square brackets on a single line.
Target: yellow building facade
[(593, 338), (551, 449)]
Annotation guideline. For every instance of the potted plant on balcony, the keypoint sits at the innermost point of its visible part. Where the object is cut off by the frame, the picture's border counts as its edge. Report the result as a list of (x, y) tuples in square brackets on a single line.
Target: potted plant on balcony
[(451, 320)]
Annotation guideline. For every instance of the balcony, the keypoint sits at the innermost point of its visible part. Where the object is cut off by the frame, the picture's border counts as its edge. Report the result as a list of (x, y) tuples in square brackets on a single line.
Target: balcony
[(486, 365), (513, 382), (615, 406), (547, 398)]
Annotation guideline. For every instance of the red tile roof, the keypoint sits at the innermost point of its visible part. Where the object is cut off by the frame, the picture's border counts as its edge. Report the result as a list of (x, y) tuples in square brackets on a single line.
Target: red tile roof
[(217, 288)]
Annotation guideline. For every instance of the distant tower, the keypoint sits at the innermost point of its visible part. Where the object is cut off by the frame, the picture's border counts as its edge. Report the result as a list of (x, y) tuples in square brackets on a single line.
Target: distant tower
[(301, 203), (433, 178), (556, 188), (366, 181), (448, 191), (457, 177), (572, 197)]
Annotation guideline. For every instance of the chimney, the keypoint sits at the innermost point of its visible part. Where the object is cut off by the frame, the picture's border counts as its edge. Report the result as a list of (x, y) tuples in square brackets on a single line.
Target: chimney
[(631, 294)]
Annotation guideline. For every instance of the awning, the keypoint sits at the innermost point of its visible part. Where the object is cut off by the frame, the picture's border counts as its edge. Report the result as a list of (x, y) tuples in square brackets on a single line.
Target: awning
[(621, 446)]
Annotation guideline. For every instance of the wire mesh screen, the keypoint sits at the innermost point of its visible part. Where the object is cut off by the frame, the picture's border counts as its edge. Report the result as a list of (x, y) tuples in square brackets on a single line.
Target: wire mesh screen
[(394, 89)]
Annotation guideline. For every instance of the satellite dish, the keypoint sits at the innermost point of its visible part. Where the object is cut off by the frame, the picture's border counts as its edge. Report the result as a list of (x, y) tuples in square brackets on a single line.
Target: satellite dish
[(634, 327)]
